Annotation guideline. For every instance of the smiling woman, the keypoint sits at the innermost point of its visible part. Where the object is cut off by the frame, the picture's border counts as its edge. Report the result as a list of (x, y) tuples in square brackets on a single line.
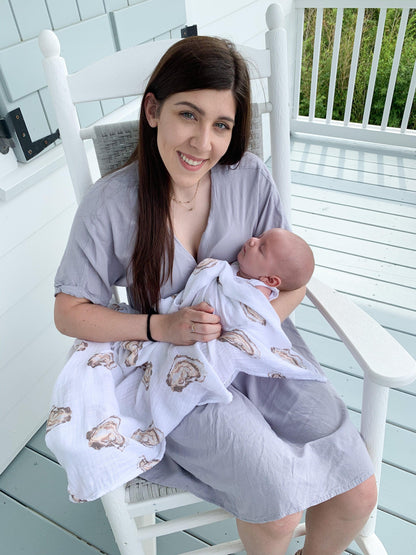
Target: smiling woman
[(135, 228)]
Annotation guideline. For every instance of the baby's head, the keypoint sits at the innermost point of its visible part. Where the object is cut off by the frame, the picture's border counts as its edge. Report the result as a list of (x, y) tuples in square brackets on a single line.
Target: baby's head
[(279, 258)]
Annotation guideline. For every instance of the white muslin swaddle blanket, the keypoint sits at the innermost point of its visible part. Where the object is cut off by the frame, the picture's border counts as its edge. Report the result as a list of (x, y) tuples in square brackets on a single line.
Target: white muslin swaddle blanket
[(114, 403)]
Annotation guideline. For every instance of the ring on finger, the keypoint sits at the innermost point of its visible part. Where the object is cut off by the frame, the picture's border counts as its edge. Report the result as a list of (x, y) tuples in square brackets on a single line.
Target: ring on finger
[(192, 328)]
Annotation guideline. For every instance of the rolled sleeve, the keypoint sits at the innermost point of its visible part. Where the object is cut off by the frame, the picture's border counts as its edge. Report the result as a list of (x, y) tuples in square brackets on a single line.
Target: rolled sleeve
[(90, 266)]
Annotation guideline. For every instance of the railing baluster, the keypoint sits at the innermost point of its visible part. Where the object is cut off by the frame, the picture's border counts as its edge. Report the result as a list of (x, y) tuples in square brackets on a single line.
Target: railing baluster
[(354, 65), (300, 18), (374, 66), (334, 64), (315, 64), (409, 101), (395, 68)]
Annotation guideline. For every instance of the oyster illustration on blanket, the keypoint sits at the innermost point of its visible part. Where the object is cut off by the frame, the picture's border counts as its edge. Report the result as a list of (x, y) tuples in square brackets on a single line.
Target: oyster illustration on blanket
[(289, 355), (106, 434), (132, 348), (184, 371), (144, 464), (102, 359), (240, 340), (147, 368), (80, 345), (58, 415), (253, 315), (206, 263), (150, 437), (276, 375)]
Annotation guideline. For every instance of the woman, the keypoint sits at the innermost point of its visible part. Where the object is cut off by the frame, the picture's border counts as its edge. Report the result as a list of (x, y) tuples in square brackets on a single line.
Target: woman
[(192, 192)]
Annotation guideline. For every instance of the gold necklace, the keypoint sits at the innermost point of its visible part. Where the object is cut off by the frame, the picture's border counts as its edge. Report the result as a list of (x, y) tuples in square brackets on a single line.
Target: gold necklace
[(187, 201)]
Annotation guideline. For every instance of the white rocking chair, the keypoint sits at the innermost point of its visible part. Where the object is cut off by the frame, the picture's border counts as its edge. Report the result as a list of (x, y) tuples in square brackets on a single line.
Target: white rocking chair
[(131, 509)]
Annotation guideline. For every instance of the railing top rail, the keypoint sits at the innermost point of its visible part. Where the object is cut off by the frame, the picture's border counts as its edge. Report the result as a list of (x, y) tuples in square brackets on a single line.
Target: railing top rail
[(355, 4)]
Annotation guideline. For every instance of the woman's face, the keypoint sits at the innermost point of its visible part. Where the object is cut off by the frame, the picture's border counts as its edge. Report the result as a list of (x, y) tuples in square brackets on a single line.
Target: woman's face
[(193, 131)]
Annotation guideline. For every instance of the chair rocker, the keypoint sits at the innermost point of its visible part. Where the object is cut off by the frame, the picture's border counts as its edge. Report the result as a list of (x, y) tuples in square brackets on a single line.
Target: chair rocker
[(131, 508)]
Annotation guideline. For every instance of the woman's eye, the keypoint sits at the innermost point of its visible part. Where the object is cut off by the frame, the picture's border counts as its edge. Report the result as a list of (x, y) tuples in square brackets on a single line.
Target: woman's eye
[(222, 125), (187, 115)]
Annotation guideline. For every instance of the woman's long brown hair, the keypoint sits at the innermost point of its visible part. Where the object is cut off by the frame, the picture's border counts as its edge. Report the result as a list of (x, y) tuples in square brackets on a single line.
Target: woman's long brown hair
[(190, 64)]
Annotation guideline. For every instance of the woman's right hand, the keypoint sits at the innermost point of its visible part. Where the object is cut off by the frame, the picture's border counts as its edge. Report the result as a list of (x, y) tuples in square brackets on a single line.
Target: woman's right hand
[(187, 326)]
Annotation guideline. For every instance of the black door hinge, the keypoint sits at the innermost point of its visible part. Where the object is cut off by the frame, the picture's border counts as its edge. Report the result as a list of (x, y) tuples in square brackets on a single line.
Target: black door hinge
[(14, 134), (189, 31)]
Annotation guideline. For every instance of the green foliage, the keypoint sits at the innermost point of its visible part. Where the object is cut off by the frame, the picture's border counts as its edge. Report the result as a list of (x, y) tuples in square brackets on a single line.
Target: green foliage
[(404, 75)]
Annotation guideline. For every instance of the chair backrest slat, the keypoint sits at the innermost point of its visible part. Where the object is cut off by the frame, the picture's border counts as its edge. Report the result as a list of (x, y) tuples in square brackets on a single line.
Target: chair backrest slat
[(124, 76), (124, 73)]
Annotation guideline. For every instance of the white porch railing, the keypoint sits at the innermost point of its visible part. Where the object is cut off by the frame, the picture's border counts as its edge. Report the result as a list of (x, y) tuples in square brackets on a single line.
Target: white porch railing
[(329, 124)]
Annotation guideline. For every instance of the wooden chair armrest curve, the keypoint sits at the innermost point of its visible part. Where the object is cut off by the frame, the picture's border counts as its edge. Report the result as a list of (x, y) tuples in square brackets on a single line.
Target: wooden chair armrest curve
[(380, 356)]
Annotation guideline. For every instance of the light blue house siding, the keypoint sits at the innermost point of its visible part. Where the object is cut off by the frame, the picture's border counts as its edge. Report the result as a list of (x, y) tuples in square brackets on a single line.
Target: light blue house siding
[(88, 30)]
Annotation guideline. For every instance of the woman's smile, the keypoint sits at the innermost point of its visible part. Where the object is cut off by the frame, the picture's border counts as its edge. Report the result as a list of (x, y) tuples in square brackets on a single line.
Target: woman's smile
[(189, 162)]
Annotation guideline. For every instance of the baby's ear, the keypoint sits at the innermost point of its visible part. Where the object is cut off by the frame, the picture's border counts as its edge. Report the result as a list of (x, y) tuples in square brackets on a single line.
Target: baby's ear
[(272, 281)]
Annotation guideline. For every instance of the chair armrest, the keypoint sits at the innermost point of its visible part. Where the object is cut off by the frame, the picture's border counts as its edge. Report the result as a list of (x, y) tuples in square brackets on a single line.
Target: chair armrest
[(380, 356)]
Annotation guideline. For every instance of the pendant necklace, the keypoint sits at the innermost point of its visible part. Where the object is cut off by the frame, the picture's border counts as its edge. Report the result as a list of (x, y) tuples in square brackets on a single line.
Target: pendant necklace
[(185, 202)]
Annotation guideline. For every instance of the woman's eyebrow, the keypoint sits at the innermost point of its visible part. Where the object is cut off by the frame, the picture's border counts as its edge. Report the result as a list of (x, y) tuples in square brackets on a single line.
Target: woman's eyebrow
[(200, 111)]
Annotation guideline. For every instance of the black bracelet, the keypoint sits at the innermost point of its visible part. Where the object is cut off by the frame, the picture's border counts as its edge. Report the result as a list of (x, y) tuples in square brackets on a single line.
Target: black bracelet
[(149, 335)]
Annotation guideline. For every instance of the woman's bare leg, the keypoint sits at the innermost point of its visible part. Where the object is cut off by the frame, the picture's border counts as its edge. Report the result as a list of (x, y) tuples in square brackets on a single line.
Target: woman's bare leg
[(270, 538), (332, 526)]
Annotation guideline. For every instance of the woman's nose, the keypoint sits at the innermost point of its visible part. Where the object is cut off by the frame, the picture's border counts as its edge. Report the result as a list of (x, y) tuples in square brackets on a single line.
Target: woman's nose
[(202, 139), (252, 242)]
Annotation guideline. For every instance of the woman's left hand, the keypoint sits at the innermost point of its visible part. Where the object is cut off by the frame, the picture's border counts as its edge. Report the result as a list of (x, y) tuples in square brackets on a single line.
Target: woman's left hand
[(187, 326)]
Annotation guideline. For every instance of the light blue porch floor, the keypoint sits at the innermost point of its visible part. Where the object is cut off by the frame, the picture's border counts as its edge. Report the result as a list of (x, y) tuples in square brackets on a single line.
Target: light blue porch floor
[(357, 209)]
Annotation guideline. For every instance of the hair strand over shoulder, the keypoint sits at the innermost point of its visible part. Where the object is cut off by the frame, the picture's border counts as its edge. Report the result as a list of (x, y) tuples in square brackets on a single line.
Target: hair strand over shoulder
[(194, 63)]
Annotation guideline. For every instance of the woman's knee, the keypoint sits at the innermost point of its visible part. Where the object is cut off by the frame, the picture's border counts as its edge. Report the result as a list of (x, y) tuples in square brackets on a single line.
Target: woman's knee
[(361, 500), (367, 494), (285, 525)]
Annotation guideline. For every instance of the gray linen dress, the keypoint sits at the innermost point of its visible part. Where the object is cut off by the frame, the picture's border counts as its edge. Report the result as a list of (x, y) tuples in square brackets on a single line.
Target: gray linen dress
[(280, 446)]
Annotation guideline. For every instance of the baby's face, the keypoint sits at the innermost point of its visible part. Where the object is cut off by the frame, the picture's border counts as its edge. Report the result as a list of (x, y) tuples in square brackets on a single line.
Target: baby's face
[(257, 258)]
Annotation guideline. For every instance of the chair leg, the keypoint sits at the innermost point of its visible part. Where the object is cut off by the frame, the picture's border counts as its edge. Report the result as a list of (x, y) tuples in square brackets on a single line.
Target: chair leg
[(149, 545), (370, 545), (123, 525)]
